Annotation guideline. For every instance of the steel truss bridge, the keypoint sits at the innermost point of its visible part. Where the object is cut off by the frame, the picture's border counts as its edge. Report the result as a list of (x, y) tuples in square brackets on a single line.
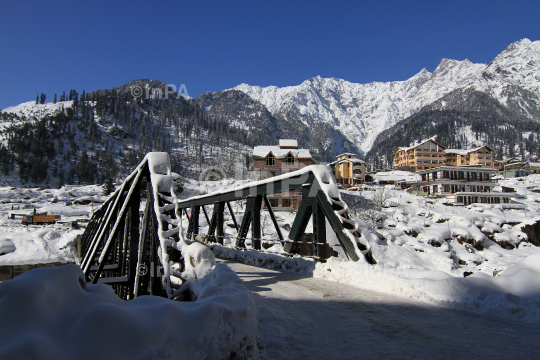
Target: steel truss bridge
[(132, 240)]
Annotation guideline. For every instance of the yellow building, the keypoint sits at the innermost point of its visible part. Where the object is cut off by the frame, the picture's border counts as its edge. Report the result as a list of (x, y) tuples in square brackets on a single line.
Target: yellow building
[(349, 171)]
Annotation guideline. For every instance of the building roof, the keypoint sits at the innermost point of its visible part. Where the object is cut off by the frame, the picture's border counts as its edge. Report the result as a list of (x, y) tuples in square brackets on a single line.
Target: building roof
[(534, 164), (288, 143), (432, 139), (345, 154), (465, 151), (263, 151), (354, 160)]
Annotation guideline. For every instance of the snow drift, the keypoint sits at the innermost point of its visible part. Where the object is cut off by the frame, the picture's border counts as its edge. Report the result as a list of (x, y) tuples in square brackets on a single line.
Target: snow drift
[(51, 313)]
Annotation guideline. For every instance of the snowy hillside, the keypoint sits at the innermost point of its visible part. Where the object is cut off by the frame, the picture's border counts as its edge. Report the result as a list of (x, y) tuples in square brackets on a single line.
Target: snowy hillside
[(362, 111), (103, 134), (30, 109)]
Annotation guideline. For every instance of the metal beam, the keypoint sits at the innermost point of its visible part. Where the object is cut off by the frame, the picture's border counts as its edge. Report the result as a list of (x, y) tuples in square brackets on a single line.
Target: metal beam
[(273, 217), (115, 228), (133, 240), (232, 216), (299, 225), (256, 225), (206, 215), (220, 221), (319, 231), (244, 227)]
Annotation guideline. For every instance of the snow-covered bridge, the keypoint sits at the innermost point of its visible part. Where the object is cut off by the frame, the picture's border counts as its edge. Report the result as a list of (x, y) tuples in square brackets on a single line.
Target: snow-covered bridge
[(149, 254)]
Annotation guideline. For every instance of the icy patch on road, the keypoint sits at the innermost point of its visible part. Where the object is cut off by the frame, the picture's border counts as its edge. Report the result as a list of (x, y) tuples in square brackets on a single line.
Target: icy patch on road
[(52, 312)]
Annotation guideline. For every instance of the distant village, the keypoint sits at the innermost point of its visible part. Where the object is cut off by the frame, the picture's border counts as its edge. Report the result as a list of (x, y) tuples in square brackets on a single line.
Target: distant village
[(463, 176)]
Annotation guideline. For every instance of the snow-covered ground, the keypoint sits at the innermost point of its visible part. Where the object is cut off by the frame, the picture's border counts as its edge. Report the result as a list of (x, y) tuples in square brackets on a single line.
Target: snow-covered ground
[(51, 313), (44, 243)]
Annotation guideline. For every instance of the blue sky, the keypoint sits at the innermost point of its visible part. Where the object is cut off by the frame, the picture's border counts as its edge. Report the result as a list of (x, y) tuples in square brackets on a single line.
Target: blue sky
[(215, 45)]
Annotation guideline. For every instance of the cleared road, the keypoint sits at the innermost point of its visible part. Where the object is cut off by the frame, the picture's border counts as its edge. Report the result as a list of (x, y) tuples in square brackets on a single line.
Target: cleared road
[(305, 318)]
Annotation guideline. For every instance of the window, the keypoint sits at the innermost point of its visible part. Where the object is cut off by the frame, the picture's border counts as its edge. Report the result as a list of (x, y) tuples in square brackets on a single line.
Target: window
[(270, 160), (286, 202), (289, 160), (273, 202)]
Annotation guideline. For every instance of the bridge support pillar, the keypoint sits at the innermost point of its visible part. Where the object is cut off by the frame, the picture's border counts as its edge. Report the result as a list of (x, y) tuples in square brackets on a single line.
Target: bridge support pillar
[(256, 226), (220, 221)]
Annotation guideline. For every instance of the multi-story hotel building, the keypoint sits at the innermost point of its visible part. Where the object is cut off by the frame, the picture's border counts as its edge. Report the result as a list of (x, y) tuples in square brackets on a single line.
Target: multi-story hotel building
[(430, 154), (426, 155)]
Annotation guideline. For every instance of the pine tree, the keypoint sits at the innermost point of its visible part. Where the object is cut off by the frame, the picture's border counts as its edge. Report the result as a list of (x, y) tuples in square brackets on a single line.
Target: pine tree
[(108, 187), (54, 101), (37, 99), (83, 172), (70, 175)]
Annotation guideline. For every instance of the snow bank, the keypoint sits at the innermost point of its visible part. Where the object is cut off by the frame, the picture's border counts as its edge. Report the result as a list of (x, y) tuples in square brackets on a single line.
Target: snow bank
[(6, 246), (52, 313), (271, 261), (514, 294), (34, 247)]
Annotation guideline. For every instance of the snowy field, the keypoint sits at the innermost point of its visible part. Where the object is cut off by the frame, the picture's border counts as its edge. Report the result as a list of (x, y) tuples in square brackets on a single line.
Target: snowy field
[(35, 244)]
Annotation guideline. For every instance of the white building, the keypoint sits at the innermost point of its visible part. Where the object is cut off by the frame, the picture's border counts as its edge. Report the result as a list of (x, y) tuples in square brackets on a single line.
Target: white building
[(463, 185)]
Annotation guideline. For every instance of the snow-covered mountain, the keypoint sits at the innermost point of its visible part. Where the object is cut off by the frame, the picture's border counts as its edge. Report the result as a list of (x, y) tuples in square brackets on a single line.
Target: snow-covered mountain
[(362, 111), (497, 104)]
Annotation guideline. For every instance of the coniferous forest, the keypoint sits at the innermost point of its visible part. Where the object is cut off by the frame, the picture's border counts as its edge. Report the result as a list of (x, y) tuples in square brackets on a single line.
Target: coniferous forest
[(105, 134)]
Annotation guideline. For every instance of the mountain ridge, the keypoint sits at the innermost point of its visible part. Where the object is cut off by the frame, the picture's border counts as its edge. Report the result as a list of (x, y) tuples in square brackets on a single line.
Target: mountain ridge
[(362, 111)]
